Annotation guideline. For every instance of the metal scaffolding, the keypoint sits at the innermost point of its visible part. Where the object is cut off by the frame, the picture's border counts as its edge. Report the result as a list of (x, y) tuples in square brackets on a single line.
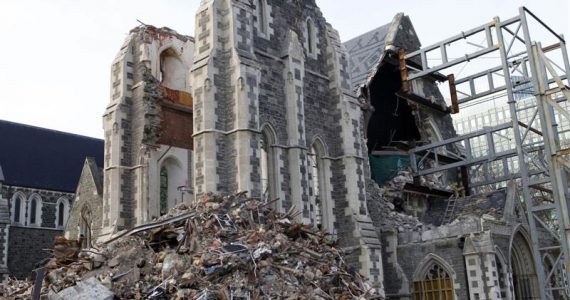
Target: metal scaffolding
[(542, 164)]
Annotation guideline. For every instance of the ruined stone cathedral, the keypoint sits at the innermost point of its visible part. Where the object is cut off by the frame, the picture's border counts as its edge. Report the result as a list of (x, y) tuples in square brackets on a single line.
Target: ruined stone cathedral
[(265, 98)]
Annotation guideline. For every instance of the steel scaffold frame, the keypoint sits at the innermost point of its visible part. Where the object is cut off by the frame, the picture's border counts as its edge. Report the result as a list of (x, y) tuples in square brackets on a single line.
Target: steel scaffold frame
[(542, 164)]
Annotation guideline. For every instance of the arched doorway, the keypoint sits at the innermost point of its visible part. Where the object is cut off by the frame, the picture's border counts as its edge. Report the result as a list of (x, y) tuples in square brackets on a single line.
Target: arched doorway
[(525, 283)]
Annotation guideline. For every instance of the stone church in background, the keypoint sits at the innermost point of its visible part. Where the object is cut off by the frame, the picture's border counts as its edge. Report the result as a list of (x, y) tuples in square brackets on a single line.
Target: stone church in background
[(39, 171), (266, 99)]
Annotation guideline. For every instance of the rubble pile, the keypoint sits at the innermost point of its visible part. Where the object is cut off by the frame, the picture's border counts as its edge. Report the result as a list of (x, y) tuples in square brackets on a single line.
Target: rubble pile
[(230, 247), (12, 286), (393, 188), (388, 201), (381, 201)]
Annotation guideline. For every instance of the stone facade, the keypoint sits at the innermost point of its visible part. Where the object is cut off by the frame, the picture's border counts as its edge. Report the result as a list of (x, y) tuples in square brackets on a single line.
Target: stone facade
[(485, 251), (276, 71), (23, 241), (27, 249), (39, 169)]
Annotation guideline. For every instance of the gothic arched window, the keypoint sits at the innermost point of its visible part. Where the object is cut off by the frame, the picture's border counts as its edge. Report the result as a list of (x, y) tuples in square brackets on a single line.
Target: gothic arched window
[(35, 210), (17, 208), (434, 282), (322, 217), (311, 36), (262, 16), (85, 228), (268, 164), (62, 212)]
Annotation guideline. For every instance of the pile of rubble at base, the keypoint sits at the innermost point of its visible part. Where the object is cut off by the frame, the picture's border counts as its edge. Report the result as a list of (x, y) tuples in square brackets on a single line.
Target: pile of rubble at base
[(229, 247), (381, 203)]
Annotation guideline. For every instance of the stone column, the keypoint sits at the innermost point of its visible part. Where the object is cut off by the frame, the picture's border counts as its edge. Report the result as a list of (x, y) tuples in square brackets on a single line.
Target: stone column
[(293, 73), (349, 167), (481, 267), (225, 79), (117, 137)]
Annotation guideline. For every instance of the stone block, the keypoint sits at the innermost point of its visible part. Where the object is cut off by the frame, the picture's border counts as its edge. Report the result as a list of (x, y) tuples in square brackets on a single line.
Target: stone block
[(90, 289)]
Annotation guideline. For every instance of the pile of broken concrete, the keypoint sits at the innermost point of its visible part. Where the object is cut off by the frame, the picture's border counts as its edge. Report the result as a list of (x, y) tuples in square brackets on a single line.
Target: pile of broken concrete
[(231, 247)]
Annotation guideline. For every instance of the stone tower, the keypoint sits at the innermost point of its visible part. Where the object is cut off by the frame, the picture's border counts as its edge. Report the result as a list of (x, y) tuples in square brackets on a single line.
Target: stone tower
[(274, 115), (148, 128)]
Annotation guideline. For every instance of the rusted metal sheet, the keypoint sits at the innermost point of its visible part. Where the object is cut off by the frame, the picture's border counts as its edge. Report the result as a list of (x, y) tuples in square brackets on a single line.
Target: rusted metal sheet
[(403, 70), (453, 93), (177, 97), (176, 125), (564, 151), (531, 128)]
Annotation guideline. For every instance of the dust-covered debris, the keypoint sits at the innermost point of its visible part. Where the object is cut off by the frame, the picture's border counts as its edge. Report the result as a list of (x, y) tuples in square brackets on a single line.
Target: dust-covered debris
[(230, 247), (381, 202)]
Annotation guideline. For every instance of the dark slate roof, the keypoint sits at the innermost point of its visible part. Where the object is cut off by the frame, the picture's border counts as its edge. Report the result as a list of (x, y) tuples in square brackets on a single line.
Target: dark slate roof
[(42, 158), (364, 52)]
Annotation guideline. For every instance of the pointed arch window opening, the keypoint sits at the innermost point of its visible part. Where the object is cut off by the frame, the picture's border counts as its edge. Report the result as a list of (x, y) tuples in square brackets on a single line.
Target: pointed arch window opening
[(264, 146), (17, 210), (60, 214), (269, 170), (310, 36), (262, 16), (33, 211), (85, 229), (436, 283), (316, 190)]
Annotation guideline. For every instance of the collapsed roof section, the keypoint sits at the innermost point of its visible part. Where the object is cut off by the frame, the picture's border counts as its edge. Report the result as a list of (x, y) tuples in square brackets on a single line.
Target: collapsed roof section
[(398, 114), (365, 53)]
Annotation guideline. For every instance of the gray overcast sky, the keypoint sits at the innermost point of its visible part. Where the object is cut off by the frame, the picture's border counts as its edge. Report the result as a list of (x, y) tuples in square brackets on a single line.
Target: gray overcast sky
[(56, 55)]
